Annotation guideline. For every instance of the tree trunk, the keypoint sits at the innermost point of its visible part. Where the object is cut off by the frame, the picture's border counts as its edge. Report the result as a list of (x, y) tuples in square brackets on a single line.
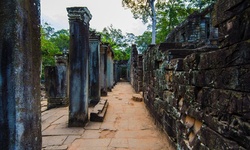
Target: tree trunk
[(153, 21)]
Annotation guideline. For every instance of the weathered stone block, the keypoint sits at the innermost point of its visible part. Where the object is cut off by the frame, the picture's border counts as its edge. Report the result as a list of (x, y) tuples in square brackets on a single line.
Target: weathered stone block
[(223, 10), (168, 96), (167, 46), (213, 140), (235, 30), (177, 53), (171, 110), (195, 110), (224, 101), (169, 126), (191, 62), (239, 131), (187, 93), (197, 144), (182, 77), (99, 111), (137, 97), (169, 76), (238, 54), (175, 64), (235, 78)]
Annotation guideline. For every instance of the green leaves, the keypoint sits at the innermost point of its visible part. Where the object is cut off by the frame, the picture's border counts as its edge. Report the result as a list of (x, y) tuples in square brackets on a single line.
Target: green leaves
[(145, 10), (170, 14), (139, 8), (200, 4), (52, 44), (119, 43), (143, 41)]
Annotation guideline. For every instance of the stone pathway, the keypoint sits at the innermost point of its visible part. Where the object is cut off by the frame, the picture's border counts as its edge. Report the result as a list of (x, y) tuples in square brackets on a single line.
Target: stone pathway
[(127, 125)]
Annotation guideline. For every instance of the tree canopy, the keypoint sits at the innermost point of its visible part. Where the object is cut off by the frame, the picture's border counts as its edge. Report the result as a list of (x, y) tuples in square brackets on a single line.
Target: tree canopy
[(119, 43), (143, 9), (169, 13)]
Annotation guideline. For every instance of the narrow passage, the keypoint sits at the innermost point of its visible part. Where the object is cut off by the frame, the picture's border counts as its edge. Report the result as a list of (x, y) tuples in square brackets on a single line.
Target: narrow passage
[(127, 125)]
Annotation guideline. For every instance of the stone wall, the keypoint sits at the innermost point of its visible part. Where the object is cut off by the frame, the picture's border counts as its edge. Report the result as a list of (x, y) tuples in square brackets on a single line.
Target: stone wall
[(200, 97), (196, 31), (136, 70)]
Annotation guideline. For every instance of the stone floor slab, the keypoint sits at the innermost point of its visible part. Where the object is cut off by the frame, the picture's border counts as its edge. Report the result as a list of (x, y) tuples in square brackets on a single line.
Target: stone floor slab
[(91, 134), (61, 147), (63, 131), (93, 125), (70, 139), (147, 144), (84, 143), (53, 140), (119, 143)]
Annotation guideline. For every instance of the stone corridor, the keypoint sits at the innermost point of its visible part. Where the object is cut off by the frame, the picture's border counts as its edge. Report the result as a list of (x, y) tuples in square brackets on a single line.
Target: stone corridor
[(127, 125)]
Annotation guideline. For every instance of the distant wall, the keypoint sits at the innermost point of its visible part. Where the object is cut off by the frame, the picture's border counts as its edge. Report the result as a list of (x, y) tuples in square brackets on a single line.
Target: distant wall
[(199, 94)]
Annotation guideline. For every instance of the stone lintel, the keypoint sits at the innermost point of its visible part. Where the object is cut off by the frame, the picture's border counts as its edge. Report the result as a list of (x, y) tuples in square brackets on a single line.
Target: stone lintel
[(79, 13)]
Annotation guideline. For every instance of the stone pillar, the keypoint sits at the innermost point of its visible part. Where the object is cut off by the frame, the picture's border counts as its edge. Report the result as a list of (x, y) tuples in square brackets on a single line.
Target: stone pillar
[(116, 71), (110, 76), (20, 58), (79, 18), (103, 70), (133, 65), (94, 69), (56, 83)]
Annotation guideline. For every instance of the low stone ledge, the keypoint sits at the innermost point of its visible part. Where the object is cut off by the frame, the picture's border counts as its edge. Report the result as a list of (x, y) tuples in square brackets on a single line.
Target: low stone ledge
[(99, 111), (137, 97)]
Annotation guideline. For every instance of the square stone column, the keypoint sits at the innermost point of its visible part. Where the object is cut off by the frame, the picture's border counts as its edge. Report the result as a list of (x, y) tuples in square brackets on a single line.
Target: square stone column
[(110, 75), (94, 69), (20, 59), (103, 69), (79, 18), (56, 83)]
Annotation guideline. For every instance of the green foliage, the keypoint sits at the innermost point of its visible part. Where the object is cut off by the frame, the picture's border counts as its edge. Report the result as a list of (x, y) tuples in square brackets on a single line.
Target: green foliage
[(121, 55), (139, 8), (169, 15), (49, 49), (52, 44), (145, 10), (200, 4), (143, 41), (119, 43), (61, 39)]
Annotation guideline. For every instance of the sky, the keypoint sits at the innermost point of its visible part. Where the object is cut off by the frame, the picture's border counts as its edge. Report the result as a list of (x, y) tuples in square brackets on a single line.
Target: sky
[(104, 13)]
